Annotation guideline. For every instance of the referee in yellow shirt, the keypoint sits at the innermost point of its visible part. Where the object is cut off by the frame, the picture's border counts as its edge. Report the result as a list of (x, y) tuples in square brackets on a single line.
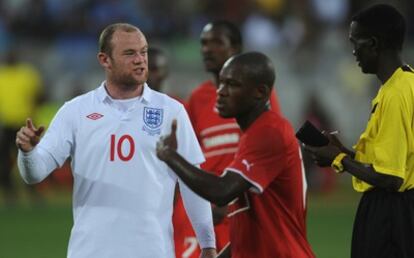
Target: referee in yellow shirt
[(20, 86), (382, 163)]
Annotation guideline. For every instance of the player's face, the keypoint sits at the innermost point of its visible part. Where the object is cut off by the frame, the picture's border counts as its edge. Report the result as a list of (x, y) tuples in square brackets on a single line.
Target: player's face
[(363, 49), (158, 71), (128, 65), (216, 48), (235, 96)]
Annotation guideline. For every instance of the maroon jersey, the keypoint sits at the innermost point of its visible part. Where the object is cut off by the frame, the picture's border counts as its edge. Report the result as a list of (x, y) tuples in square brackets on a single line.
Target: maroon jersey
[(269, 220)]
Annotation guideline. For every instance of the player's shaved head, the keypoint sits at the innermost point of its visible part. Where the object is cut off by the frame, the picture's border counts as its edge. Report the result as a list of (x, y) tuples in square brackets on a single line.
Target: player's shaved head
[(256, 68)]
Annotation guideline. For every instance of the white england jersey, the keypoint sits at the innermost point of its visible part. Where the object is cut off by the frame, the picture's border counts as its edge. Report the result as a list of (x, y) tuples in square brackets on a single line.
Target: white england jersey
[(123, 194)]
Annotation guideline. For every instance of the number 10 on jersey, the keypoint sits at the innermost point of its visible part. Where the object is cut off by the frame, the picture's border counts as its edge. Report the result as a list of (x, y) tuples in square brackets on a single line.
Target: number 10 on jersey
[(116, 151)]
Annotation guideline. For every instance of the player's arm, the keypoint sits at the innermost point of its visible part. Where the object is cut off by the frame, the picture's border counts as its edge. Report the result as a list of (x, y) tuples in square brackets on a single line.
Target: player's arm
[(218, 190), (199, 213), (34, 165), (324, 157), (368, 174)]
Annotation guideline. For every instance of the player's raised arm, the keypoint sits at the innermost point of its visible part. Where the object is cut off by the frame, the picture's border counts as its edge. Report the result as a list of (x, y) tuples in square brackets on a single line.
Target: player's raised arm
[(218, 190)]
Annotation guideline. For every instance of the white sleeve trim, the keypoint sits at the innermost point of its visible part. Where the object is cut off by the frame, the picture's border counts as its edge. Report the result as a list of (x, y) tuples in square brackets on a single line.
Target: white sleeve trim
[(256, 188)]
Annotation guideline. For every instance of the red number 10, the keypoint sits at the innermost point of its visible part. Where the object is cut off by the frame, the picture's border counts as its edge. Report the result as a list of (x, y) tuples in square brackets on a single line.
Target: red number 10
[(118, 150)]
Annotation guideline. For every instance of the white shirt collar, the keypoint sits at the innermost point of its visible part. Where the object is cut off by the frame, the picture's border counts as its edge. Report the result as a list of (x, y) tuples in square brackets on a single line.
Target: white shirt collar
[(103, 95)]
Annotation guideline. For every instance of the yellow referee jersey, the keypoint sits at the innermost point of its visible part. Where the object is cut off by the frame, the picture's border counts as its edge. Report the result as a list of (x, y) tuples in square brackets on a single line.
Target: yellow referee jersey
[(19, 86), (388, 140)]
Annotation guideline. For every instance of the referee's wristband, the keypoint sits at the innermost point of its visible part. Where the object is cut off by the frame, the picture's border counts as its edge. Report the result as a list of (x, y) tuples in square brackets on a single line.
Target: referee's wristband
[(337, 162)]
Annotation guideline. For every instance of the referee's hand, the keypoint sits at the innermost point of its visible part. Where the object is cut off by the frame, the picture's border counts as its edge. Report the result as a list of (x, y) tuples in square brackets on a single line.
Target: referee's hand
[(28, 136), (323, 156)]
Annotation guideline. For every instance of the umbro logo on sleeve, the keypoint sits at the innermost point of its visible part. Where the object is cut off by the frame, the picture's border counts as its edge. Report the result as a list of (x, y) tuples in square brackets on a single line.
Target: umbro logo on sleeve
[(94, 116)]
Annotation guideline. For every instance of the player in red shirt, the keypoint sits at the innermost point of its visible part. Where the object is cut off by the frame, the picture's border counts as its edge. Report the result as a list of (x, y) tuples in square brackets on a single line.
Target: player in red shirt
[(265, 183), (218, 137)]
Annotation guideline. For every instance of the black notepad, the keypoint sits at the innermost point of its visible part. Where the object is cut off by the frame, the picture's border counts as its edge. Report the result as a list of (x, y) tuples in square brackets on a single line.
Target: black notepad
[(310, 135)]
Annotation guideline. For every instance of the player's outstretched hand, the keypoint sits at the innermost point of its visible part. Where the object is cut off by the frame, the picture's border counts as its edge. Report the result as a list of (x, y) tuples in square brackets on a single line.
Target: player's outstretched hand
[(28, 136), (167, 143)]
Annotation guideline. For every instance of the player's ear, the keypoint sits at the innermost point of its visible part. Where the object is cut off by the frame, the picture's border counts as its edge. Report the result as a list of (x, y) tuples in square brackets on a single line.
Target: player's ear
[(104, 60), (373, 43), (262, 91)]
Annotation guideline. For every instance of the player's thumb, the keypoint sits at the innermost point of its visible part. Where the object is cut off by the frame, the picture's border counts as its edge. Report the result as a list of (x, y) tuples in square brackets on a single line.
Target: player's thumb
[(174, 127), (39, 131)]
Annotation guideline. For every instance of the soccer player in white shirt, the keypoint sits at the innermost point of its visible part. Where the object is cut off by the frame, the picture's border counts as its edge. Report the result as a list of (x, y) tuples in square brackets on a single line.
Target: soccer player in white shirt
[(122, 204)]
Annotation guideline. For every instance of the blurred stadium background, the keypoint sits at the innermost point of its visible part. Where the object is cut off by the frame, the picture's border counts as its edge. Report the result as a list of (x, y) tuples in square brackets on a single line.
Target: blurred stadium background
[(317, 78)]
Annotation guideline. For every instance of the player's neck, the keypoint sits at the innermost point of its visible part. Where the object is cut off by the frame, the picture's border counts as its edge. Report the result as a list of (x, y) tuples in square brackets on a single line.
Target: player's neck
[(247, 119), (123, 91)]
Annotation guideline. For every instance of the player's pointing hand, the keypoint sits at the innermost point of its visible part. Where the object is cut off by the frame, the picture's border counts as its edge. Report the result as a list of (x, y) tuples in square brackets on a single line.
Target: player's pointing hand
[(28, 136), (167, 143)]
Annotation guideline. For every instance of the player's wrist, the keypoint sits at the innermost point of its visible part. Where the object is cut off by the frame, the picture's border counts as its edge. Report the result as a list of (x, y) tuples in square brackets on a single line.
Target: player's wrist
[(208, 252)]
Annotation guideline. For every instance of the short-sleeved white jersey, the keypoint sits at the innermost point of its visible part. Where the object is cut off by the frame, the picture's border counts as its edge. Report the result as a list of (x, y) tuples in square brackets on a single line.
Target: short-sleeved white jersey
[(123, 194)]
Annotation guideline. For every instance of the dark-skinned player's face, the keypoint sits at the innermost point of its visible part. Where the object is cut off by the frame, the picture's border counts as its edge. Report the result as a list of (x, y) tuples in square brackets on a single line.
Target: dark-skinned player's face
[(235, 96), (157, 71), (365, 48), (216, 48)]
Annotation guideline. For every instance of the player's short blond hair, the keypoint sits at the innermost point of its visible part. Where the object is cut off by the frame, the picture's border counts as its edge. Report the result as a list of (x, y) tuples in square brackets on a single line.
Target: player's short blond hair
[(105, 38)]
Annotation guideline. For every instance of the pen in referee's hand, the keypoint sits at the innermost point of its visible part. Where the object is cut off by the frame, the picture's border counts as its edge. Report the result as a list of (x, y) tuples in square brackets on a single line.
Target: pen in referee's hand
[(331, 133)]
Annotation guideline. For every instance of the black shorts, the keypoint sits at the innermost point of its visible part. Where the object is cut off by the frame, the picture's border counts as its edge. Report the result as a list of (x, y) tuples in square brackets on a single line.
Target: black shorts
[(384, 225)]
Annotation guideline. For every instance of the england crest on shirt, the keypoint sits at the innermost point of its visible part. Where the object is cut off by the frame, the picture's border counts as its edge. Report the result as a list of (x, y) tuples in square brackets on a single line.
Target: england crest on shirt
[(153, 120)]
